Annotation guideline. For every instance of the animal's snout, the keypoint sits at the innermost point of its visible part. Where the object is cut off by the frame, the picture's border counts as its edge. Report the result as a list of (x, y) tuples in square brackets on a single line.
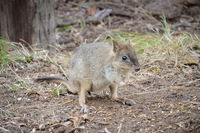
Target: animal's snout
[(137, 69)]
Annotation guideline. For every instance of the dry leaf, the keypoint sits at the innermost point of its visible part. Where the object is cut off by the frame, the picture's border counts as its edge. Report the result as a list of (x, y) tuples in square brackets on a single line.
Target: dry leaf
[(91, 11)]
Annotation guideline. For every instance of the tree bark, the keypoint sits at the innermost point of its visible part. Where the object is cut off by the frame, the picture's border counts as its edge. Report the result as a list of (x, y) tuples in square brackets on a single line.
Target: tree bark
[(30, 20)]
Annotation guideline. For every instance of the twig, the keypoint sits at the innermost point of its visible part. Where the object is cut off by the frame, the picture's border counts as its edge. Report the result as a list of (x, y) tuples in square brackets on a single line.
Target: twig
[(77, 128), (197, 103), (115, 11), (99, 16), (79, 5), (106, 130), (120, 126), (7, 113), (193, 81), (4, 130), (102, 122), (132, 9), (26, 85), (59, 66), (150, 92)]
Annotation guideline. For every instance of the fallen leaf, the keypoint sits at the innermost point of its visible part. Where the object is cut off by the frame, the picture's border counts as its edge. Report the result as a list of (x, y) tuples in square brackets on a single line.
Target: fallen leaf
[(142, 116), (91, 11)]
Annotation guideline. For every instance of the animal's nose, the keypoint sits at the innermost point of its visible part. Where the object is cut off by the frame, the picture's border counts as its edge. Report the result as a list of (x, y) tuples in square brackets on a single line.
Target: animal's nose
[(137, 69)]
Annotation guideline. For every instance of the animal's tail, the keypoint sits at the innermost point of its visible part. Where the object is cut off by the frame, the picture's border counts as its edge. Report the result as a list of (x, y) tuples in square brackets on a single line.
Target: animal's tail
[(58, 80), (50, 79)]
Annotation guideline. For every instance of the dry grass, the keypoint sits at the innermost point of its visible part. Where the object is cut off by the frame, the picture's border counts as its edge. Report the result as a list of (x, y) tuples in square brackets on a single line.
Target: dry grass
[(166, 62), (161, 56), (170, 59)]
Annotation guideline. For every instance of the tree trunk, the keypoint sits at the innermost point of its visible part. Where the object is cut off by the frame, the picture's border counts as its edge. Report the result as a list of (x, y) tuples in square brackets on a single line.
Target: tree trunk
[(30, 20)]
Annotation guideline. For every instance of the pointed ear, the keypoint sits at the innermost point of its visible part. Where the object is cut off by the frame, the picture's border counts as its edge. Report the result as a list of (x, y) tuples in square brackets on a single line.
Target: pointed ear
[(129, 45), (116, 46)]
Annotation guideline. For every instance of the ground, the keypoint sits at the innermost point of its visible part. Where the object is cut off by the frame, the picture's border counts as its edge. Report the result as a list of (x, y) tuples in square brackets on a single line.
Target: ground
[(157, 108), (166, 90)]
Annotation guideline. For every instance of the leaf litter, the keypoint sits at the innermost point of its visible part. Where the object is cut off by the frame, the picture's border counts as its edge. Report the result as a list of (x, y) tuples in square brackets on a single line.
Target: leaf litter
[(165, 91)]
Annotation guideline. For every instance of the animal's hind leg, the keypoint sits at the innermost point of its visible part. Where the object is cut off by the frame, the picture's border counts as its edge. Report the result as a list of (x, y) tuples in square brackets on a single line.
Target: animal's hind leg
[(71, 88), (84, 87)]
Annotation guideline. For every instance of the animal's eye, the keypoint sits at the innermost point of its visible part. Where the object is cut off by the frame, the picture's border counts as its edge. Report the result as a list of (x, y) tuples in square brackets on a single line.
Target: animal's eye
[(124, 57)]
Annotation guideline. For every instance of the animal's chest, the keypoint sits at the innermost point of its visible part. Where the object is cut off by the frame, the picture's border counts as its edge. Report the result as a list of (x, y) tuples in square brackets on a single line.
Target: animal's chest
[(100, 84)]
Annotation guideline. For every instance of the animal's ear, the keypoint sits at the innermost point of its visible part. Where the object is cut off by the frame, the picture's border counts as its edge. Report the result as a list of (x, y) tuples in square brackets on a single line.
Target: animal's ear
[(116, 46)]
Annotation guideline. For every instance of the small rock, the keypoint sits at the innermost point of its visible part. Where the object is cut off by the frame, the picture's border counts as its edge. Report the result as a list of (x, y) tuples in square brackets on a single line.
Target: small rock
[(19, 98)]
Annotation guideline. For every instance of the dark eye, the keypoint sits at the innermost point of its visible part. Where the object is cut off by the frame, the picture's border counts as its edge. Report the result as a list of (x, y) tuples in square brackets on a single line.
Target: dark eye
[(124, 57)]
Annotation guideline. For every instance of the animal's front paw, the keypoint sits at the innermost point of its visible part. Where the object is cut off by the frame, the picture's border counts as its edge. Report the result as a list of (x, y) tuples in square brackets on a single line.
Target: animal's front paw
[(125, 101), (84, 109)]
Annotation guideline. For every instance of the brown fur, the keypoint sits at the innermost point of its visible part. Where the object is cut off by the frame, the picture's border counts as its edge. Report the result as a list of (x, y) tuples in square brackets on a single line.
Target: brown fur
[(98, 66)]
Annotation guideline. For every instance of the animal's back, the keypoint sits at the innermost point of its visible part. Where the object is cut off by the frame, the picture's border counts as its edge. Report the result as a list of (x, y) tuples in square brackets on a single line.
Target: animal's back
[(88, 61)]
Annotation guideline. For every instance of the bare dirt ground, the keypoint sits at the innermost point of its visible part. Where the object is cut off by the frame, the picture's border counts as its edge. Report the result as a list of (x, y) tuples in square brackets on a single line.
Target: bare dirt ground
[(167, 98), (162, 104)]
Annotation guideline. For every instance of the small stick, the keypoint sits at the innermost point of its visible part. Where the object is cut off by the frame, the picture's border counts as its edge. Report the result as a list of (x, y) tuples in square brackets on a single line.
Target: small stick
[(120, 126), (106, 130), (4, 130)]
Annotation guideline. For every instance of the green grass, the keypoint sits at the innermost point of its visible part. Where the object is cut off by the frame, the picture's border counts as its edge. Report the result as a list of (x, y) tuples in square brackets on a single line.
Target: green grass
[(167, 48), (4, 56), (173, 49), (13, 56), (13, 53), (66, 28), (17, 86), (58, 90), (166, 27)]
